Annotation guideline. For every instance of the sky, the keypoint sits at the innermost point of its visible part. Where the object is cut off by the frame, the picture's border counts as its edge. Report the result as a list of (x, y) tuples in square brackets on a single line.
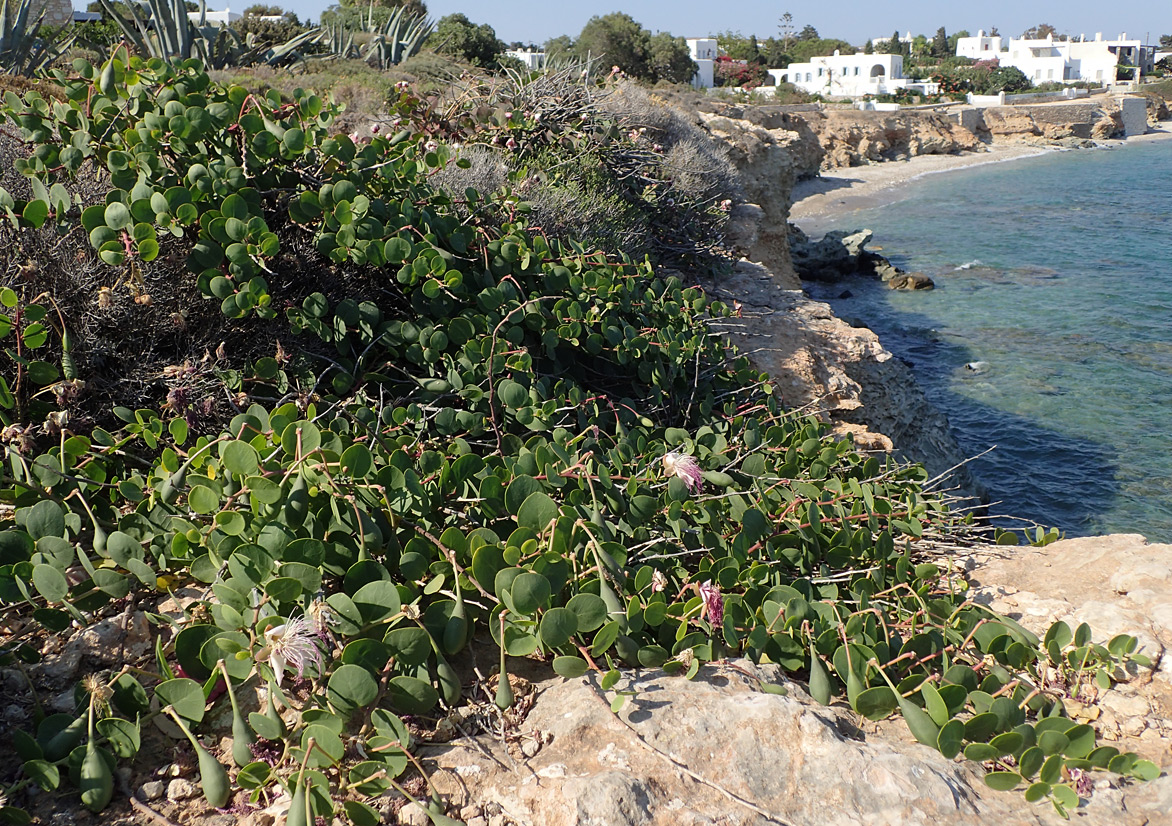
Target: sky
[(853, 20)]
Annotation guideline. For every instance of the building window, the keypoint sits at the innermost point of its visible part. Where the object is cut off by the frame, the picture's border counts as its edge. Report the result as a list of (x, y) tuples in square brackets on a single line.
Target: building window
[(819, 73), (856, 71)]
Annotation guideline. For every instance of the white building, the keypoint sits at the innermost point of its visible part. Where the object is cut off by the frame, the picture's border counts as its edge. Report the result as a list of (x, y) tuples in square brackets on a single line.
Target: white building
[(853, 75), (703, 51), (216, 18), (903, 38), (1060, 61), (981, 47), (534, 60)]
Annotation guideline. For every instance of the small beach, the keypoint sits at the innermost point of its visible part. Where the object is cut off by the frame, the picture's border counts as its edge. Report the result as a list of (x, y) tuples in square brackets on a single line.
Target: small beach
[(1047, 332), (819, 201)]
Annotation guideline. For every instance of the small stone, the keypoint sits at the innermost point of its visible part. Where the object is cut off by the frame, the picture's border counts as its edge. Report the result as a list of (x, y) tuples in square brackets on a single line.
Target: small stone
[(470, 811), (151, 790), (497, 820), (414, 815), (1133, 727), (476, 821), (529, 748), (181, 789)]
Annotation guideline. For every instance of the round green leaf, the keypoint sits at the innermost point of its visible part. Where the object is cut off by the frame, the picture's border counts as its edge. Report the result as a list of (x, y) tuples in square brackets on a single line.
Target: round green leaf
[(557, 626), (951, 738), (537, 511), (530, 591), (570, 667), (1003, 781), (43, 773), (50, 583), (183, 695), (118, 216), (377, 601), (412, 696), (239, 457), (351, 687), (590, 611)]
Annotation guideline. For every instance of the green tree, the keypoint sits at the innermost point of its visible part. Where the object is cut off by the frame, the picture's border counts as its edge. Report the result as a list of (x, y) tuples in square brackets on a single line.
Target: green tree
[(774, 53), (268, 32), (737, 46), (803, 50), (1040, 32), (1166, 41), (953, 38), (559, 47), (1007, 79), (894, 45), (458, 36), (940, 43), (349, 12), (808, 32), (619, 40), (670, 59), (786, 29), (869, 48)]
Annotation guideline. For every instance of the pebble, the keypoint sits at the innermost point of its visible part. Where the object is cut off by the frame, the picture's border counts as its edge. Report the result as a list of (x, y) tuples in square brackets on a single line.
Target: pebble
[(414, 815), (152, 790), (529, 748), (1133, 726), (181, 789)]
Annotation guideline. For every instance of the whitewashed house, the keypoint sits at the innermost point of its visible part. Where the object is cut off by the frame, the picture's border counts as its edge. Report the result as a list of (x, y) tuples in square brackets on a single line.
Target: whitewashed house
[(1046, 60), (981, 47), (703, 51), (853, 75), (216, 18), (534, 60)]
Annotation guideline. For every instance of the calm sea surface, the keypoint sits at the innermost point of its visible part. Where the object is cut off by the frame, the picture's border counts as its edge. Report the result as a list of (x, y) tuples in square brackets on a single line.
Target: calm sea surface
[(1049, 334)]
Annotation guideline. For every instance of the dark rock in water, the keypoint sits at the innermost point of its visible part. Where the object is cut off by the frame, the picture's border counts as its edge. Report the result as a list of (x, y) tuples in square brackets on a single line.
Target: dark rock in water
[(911, 281), (846, 294)]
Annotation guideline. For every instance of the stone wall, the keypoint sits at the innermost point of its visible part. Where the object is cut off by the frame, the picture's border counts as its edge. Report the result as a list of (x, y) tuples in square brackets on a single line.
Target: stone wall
[(57, 12)]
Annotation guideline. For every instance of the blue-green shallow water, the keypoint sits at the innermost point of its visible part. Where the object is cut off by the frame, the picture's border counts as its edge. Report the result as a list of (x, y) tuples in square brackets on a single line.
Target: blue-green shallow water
[(1056, 272)]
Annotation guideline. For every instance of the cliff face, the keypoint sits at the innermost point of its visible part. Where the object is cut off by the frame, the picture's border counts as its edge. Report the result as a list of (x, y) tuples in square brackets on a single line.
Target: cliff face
[(840, 373), (852, 138), (1051, 123), (768, 162)]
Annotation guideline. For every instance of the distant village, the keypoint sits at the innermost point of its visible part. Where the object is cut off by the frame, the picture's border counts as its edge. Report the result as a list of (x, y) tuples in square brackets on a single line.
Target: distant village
[(877, 70)]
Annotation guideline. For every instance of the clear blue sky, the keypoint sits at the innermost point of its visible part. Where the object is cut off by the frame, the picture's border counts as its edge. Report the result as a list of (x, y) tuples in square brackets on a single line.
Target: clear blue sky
[(852, 20)]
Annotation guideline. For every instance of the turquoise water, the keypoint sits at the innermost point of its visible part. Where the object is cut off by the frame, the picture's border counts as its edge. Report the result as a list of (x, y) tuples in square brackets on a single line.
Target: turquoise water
[(1055, 273)]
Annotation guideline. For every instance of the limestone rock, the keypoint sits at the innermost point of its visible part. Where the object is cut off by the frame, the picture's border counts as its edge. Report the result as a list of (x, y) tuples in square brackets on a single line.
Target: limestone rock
[(840, 373), (854, 138), (181, 789), (768, 162), (760, 758)]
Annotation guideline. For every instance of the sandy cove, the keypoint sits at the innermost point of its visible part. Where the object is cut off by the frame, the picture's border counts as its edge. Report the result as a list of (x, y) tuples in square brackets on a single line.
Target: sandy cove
[(818, 201)]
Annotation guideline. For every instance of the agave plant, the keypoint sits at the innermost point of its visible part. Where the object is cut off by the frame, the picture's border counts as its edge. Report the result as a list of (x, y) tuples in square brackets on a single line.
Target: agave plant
[(388, 44), (163, 29), (22, 51), (398, 39)]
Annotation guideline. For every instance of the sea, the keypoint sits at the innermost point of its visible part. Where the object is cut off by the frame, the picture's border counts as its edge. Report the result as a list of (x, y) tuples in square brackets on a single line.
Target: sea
[(1048, 337)]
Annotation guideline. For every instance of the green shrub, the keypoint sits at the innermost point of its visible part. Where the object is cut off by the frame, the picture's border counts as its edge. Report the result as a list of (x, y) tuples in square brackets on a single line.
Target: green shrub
[(463, 429)]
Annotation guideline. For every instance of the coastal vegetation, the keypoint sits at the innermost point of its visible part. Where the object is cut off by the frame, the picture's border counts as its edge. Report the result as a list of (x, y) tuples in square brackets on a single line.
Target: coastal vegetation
[(379, 410)]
